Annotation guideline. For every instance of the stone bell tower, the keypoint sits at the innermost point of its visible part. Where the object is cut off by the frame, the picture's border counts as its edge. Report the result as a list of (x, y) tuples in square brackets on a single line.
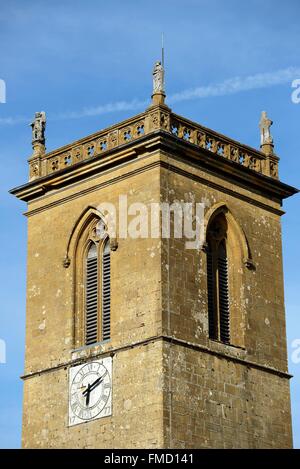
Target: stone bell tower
[(141, 341)]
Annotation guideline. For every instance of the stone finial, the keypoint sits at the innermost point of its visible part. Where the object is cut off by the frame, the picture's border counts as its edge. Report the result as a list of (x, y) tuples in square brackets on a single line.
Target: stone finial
[(266, 139), (38, 132), (158, 96)]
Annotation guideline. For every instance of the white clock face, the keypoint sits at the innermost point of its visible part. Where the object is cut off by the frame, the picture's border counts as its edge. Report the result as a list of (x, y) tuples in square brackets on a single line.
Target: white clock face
[(90, 390)]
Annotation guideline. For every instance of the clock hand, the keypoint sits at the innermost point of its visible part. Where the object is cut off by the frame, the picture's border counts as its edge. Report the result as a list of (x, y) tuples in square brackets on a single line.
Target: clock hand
[(88, 392), (92, 386), (96, 383)]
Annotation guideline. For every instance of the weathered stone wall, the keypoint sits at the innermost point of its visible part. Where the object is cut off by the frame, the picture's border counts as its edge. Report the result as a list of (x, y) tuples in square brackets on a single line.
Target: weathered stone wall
[(260, 296), (213, 402), (163, 396), (135, 316), (137, 420), (135, 273)]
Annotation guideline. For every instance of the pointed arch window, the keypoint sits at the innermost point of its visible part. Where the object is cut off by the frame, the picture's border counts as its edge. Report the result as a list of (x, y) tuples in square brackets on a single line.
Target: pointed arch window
[(217, 280), (92, 298)]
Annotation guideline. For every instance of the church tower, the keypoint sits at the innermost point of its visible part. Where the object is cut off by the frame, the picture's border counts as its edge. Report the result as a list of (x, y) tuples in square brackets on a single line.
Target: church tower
[(136, 335)]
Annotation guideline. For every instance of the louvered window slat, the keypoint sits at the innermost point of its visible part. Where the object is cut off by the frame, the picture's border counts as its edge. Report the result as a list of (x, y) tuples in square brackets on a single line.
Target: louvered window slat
[(93, 292), (106, 292), (210, 294), (224, 299), (218, 279), (91, 299)]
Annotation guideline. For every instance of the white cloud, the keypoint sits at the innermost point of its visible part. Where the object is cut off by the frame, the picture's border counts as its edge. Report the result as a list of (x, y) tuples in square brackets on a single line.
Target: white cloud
[(14, 120), (227, 87), (238, 84), (103, 109)]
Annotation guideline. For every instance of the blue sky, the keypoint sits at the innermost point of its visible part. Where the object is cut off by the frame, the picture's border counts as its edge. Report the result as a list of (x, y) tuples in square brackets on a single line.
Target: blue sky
[(88, 65)]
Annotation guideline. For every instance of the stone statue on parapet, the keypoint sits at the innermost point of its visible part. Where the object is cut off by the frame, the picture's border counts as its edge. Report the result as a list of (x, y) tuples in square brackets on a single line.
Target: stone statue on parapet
[(158, 78), (265, 133), (38, 128)]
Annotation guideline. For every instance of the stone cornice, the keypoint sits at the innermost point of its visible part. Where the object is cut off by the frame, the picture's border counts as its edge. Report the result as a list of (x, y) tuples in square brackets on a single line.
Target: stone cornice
[(158, 140), (148, 167), (226, 354)]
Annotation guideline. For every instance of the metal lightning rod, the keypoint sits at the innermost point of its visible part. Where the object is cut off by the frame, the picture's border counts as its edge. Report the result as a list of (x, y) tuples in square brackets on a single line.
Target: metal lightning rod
[(162, 50), (163, 59)]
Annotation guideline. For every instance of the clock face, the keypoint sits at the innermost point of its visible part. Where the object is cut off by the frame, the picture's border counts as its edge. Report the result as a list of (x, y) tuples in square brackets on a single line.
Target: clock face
[(90, 391)]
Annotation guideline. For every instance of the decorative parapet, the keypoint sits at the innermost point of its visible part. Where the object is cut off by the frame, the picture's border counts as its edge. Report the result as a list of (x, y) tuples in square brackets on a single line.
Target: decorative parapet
[(224, 147), (157, 117)]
